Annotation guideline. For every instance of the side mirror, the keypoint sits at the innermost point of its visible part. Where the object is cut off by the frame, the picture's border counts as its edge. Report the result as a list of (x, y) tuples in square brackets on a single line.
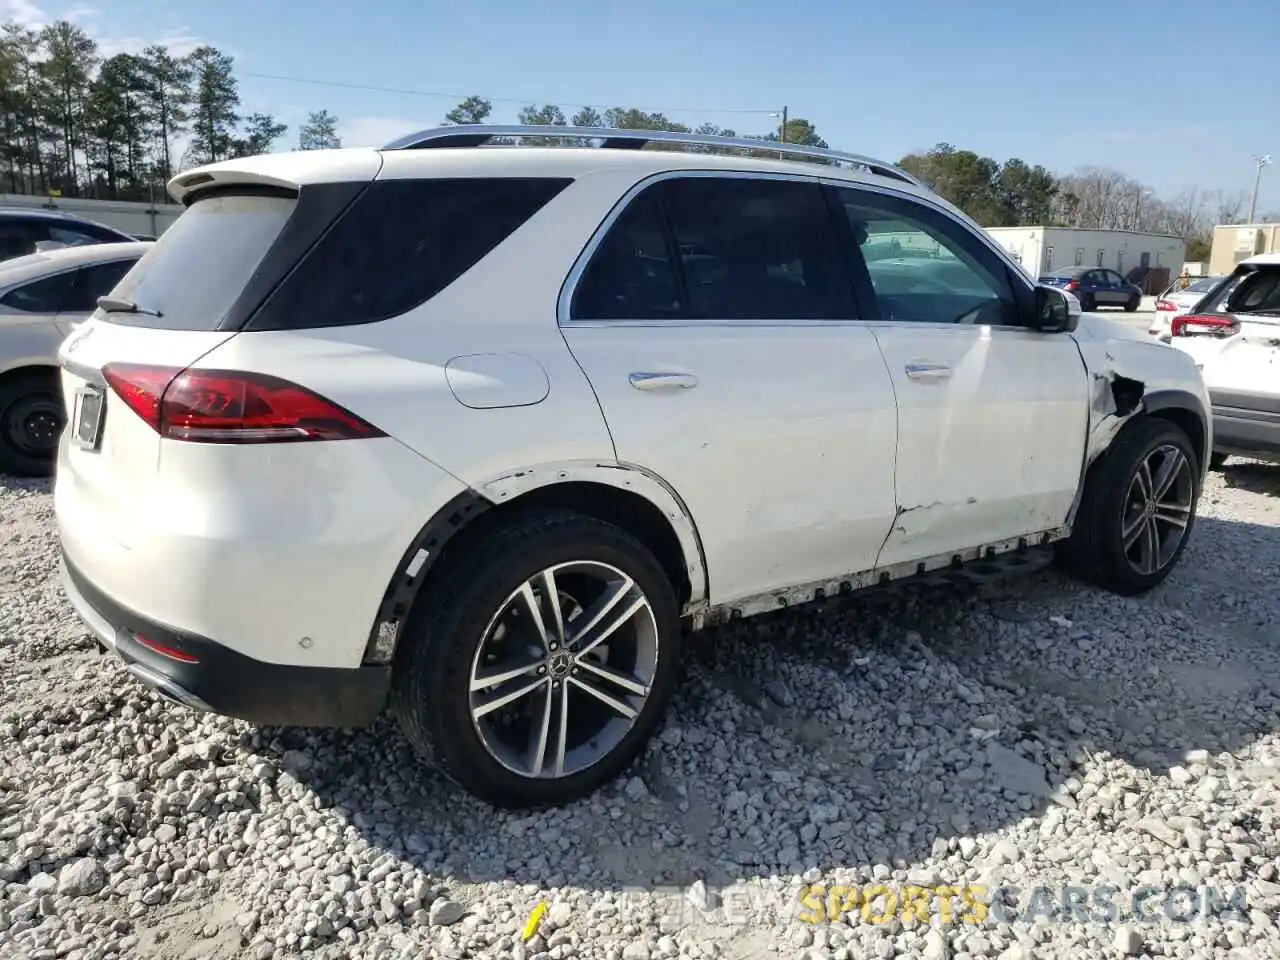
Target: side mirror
[(1056, 310)]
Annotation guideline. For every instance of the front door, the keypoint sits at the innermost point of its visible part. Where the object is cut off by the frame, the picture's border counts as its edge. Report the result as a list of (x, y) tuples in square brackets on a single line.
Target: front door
[(992, 416), (713, 323)]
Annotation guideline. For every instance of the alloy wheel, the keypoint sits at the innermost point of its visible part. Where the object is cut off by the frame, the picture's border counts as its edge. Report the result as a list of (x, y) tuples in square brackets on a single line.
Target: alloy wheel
[(1157, 509), (564, 669)]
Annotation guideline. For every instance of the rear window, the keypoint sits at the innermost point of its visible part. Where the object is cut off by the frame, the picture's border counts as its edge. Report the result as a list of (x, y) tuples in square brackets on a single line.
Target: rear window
[(401, 243), (40, 296), (198, 268)]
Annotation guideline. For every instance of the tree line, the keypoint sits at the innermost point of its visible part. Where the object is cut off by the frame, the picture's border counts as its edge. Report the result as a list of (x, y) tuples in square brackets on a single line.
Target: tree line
[(75, 123)]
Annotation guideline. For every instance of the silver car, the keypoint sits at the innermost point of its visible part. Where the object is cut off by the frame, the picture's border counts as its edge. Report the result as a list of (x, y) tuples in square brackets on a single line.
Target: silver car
[(42, 297)]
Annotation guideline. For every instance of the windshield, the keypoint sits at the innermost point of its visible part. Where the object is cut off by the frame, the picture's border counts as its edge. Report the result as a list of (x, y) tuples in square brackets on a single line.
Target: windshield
[(198, 268)]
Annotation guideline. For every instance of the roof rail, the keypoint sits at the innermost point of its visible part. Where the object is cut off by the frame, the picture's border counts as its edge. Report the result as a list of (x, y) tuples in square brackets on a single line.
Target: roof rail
[(475, 135)]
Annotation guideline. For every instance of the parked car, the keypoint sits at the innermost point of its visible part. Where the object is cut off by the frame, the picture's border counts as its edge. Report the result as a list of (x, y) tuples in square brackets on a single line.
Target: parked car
[(1178, 300), (25, 230), (42, 297), (1234, 336), (1096, 287), (449, 429)]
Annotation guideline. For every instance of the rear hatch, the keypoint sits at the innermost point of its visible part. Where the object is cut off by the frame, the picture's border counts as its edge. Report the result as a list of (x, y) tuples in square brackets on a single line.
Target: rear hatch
[(186, 296)]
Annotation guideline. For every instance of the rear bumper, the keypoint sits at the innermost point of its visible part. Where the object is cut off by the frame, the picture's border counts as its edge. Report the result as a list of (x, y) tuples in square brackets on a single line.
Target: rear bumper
[(214, 678), (1246, 425)]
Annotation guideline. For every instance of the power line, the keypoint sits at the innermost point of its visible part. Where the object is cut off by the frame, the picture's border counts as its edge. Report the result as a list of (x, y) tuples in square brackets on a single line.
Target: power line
[(463, 96)]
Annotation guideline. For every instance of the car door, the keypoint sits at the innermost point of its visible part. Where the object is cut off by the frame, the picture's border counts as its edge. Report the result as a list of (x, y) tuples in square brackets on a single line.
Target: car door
[(712, 320), (28, 331), (91, 282), (992, 415)]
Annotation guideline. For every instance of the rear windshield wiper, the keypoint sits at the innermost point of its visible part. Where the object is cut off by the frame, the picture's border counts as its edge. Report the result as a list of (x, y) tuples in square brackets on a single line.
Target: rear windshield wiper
[(115, 305)]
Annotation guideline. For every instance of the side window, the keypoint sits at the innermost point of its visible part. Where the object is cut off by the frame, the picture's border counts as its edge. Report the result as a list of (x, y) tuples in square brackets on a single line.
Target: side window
[(40, 296), (71, 236), (400, 244), (924, 266), (631, 275), (94, 282), (16, 238), (756, 249)]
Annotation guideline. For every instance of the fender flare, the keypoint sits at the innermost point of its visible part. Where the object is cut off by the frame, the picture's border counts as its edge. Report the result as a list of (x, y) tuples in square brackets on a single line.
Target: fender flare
[(467, 506)]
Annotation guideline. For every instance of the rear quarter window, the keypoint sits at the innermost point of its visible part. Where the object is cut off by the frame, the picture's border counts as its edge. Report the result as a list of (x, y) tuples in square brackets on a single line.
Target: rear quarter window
[(400, 244)]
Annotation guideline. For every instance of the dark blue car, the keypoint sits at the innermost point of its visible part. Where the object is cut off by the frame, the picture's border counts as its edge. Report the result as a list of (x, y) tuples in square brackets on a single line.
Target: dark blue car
[(1096, 287)]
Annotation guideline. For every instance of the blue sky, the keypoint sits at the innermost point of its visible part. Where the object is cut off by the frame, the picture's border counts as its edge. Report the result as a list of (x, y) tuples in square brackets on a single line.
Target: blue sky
[(1178, 94)]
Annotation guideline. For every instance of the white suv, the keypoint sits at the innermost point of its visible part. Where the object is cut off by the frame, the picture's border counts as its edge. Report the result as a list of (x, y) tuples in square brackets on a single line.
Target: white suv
[(473, 432)]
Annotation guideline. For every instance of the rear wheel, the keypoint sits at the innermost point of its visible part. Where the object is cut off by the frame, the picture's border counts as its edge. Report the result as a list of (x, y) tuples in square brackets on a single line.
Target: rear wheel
[(1137, 511), (535, 669), (31, 421)]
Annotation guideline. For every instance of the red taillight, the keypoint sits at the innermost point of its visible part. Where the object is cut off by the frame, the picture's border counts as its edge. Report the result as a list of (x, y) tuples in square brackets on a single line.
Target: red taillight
[(1198, 325), (173, 653), (1072, 285), (1167, 305), (225, 406)]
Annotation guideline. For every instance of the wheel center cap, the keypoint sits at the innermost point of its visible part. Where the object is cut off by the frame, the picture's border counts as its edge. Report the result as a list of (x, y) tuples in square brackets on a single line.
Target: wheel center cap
[(560, 665), (1151, 508)]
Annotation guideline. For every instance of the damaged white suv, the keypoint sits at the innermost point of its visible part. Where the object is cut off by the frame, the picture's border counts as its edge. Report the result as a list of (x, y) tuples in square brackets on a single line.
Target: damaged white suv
[(474, 431)]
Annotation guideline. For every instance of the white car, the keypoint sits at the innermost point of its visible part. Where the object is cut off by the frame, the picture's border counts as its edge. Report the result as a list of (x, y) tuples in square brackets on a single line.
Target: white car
[(1234, 337), (42, 296), (473, 432), (1176, 301)]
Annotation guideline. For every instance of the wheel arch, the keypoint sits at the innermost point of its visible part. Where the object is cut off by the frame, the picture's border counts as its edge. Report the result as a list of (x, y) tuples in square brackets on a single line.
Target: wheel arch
[(28, 368), (1186, 410), (626, 495)]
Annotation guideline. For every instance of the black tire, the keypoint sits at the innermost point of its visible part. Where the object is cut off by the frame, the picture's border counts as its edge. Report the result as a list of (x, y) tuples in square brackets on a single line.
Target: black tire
[(1088, 304), (1217, 461), (1095, 551), (433, 669), (31, 420), (1133, 305)]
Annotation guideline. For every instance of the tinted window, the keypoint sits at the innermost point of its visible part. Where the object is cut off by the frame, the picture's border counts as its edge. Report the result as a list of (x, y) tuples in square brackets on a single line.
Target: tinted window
[(17, 239), (399, 245), (631, 276), (196, 270), (755, 249), (1257, 292), (73, 236), (94, 282), (40, 296), (924, 266)]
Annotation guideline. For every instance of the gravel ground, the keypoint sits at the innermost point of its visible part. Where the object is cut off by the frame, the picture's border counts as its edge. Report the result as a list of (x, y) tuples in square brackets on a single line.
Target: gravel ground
[(1029, 736)]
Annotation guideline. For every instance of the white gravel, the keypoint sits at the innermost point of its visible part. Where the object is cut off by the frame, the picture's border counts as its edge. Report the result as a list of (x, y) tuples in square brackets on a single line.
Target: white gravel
[(1032, 735)]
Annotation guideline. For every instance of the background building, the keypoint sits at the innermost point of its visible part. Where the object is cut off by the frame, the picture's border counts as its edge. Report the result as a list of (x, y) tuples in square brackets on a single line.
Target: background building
[(1235, 241), (1041, 249)]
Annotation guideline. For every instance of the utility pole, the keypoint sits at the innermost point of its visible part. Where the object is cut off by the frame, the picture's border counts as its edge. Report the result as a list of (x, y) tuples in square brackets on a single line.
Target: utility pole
[(783, 137), (1261, 160)]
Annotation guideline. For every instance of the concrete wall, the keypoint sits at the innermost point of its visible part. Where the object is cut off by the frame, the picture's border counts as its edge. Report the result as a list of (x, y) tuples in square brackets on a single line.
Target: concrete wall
[(1234, 242), (1040, 249), (132, 218)]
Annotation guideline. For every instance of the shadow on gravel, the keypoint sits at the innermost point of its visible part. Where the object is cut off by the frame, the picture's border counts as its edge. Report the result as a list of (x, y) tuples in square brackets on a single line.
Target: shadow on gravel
[(1255, 477), (873, 732)]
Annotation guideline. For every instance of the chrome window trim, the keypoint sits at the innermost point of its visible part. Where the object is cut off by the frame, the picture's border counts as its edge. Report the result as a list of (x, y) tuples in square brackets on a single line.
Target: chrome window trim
[(570, 284)]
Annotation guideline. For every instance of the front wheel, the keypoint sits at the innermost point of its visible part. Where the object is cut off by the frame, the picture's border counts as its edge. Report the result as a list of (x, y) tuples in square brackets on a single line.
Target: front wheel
[(1137, 511), (1088, 304), (1133, 304), (31, 421), (540, 663)]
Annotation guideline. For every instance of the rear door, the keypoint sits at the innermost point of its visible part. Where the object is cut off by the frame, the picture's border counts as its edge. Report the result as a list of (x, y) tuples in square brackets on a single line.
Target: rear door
[(713, 322), (28, 334)]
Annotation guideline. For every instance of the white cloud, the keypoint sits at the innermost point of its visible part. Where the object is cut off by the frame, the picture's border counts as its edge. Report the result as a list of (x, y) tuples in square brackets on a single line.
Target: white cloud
[(24, 12), (375, 131), (28, 13)]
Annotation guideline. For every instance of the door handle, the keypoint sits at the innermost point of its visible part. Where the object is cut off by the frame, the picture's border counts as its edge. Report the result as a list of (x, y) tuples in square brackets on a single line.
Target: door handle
[(663, 381), (928, 371)]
